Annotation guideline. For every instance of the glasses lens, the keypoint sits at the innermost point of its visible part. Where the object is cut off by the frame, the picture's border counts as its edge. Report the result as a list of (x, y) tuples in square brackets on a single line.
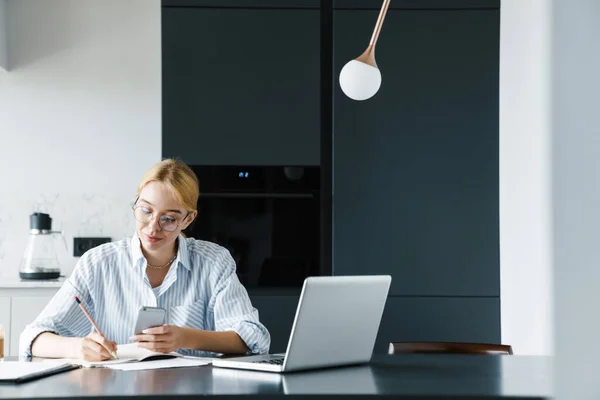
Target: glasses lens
[(142, 214), (168, 224)]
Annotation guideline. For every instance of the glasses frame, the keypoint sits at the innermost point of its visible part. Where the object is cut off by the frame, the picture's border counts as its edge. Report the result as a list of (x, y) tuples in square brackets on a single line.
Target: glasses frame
[(152, 216)]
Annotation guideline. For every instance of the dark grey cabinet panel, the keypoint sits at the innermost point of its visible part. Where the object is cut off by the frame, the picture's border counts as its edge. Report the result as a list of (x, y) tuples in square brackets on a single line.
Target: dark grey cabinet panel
[(241, 86), (458, 319), (416, 4), (416, 166), (277, 313), (404, 319), (243, 3)]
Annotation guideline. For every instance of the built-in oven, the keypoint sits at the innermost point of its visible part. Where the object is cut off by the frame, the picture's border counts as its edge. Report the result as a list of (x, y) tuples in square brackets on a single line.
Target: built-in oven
[(267, 217)]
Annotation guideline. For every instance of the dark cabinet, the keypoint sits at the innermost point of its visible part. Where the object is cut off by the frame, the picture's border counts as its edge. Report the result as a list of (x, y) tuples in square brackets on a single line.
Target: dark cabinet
[(404, 319), (414, 170), (241, 85), (276, 313), (439, 319), (416, 166)]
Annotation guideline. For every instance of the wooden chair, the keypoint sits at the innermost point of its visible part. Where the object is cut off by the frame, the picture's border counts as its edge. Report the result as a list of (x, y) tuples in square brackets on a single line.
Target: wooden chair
[(449, 348)]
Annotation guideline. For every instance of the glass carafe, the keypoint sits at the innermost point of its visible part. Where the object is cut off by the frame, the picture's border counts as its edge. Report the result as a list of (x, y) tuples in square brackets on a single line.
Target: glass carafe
[(40, 260)]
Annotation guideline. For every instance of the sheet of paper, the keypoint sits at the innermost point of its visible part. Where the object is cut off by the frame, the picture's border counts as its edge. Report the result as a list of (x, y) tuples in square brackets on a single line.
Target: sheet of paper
[(79, 361), (178, 362), (16, 369)]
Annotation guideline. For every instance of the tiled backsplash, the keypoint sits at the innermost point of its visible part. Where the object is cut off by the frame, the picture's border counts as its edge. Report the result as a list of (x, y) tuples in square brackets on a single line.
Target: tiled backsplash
[(88, 214)]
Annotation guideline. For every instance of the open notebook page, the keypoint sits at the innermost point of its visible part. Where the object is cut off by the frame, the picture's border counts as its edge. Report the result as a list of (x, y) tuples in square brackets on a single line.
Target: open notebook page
[(126, 353)]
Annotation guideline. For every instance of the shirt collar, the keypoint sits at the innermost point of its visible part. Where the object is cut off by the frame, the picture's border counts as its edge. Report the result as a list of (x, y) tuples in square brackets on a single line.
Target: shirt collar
[(135, 250), (183, 255)]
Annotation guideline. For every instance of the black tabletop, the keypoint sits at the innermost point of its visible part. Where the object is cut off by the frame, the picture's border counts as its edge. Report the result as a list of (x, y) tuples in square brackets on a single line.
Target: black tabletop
[(399, 376)]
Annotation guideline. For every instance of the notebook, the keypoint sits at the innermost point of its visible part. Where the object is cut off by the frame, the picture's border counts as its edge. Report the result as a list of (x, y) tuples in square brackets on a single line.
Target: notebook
[(131, 353), (23, 371)]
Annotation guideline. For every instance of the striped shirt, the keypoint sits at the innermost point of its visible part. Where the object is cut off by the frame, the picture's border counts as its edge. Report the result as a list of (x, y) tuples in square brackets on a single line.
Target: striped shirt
[(201, 290)]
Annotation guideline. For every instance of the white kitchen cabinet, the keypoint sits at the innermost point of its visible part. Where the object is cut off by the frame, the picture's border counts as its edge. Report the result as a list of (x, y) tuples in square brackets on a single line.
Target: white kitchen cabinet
[(20, 303), (24, 310), (5, 320)]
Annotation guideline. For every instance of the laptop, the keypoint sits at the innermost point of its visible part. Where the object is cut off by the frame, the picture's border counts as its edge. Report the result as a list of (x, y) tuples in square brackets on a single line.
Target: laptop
[(336, 324)]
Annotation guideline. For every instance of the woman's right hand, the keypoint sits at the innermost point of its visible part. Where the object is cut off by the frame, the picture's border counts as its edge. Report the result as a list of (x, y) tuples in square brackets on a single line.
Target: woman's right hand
[(95, 347)]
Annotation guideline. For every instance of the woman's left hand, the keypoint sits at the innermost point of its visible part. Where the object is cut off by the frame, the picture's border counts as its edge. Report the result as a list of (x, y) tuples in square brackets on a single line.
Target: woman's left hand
[(162, 339)]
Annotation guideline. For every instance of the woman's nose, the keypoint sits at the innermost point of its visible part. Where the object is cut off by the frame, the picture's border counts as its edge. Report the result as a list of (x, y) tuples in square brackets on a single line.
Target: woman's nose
[(154, 225)]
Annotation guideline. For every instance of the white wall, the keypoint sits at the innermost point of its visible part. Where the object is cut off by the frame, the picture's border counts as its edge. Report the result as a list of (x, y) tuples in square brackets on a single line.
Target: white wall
[(525, 180), (80, 117), (3, 54), (576, 193)]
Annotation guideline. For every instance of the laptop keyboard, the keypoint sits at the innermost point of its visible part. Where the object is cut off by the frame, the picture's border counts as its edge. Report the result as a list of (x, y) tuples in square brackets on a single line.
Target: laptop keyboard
[(273, 361)]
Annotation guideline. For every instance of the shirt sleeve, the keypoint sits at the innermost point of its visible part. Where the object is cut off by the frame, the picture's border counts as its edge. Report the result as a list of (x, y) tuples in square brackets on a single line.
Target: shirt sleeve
[(233, 310), (62, 314)]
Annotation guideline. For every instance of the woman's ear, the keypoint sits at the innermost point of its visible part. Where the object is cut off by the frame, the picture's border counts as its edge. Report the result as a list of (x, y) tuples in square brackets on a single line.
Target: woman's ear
[(189, 219)]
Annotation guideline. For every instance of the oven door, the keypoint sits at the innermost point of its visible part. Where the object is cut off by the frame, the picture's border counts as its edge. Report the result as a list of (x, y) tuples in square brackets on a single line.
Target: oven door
[(273, 238)]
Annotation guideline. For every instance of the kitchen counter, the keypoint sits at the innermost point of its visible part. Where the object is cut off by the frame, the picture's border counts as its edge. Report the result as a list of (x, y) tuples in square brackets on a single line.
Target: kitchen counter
[(16, 283)]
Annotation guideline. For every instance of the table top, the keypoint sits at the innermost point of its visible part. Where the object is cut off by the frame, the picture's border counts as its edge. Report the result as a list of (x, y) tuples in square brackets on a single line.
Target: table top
[(399, 376)]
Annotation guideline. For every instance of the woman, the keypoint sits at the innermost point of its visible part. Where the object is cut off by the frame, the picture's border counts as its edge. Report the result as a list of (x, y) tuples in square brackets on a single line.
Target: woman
[(208, 309)]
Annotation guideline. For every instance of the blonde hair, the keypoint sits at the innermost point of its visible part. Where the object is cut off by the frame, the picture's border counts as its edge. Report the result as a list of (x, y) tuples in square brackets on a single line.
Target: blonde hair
[(178, 177)]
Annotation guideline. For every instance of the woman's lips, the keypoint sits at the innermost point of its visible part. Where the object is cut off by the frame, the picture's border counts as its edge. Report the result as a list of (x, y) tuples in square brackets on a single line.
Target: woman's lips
[(153, 239)]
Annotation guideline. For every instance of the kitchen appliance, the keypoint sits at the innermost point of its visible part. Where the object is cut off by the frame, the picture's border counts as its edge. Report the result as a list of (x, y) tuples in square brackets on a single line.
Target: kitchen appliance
[(268, 217), (40, 260)]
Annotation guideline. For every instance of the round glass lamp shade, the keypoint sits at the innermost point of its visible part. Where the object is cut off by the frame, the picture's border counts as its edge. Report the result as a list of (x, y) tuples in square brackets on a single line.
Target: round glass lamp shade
[(360, 81)]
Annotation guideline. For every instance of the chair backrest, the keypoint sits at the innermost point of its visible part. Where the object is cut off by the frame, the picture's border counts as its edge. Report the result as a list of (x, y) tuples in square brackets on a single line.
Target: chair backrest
[(449, 348)]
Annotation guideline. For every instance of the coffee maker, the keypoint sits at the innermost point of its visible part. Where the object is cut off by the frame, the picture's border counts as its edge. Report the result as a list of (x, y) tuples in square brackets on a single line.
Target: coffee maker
[(40, 260)]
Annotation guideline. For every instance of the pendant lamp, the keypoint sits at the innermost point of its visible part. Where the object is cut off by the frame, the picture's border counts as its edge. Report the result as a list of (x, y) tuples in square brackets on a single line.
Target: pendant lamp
[(360, 78)]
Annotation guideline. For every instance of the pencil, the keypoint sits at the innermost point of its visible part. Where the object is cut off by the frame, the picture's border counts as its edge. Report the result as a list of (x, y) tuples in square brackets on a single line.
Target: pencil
[(93, 323)]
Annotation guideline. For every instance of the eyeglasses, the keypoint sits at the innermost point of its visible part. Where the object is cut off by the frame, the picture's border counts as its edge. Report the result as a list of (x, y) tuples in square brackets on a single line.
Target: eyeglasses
[(166, 223)]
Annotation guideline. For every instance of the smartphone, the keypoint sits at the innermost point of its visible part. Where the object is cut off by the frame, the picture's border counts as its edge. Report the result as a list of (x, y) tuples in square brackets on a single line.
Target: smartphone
[(149, 317)]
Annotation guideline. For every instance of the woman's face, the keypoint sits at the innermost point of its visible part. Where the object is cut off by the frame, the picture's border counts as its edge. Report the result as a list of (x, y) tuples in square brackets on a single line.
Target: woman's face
[(157, 200)]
